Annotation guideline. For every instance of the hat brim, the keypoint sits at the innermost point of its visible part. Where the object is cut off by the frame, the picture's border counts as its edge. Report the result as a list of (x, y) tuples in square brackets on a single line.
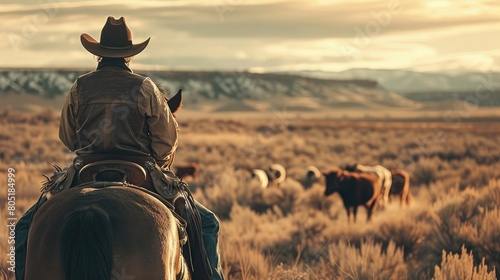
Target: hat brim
[(91, 45)]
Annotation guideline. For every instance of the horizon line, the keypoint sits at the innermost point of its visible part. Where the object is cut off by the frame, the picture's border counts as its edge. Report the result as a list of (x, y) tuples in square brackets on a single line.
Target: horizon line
[(260, 71)]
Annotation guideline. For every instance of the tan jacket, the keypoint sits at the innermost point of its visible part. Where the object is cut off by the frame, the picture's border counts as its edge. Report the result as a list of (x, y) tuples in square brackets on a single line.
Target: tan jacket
[(112, 110)]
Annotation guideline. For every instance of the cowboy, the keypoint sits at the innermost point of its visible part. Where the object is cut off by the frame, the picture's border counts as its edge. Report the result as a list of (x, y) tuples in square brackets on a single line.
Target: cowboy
[(115, 112)]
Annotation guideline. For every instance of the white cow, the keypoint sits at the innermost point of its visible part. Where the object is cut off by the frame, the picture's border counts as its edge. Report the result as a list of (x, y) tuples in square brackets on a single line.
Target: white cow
[(383, 174), (312, 176), (276, 174), (261, 175)]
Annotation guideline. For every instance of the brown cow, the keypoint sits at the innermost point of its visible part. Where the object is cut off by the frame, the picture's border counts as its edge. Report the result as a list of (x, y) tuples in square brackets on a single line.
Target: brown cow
[(383, 174), (401, 186), (356, 189), (187, 169)]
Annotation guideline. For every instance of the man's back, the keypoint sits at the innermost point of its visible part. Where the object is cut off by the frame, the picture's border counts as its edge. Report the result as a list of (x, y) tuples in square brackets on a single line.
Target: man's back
[(114, 111)]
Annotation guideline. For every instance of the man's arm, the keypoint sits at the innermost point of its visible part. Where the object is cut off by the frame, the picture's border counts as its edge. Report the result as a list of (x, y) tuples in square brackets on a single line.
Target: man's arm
[(163, 128), (67, 126)]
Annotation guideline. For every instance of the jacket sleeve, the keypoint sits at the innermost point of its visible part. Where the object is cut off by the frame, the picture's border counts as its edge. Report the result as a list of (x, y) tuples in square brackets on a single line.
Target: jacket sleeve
[(163, 128), (67, 126)]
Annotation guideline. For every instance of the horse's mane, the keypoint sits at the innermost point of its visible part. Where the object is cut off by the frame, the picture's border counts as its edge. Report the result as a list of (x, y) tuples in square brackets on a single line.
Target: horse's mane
[(175, 103), (163, 90), (97, 254)]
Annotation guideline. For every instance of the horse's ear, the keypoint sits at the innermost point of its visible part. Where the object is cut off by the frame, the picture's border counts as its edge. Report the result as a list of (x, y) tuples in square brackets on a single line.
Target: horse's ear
[(175, 103)]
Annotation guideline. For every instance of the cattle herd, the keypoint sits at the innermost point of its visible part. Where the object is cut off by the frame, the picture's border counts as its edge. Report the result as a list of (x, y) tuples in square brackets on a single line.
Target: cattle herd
[(368, 186), (357, 184)]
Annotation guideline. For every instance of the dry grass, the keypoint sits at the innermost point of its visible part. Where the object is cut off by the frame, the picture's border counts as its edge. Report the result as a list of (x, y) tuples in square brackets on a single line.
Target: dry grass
[(454, 266), (293, 233)]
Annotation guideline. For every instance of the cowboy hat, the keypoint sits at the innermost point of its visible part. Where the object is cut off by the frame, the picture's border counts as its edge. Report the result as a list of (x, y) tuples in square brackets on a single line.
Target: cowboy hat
[(116, 40)]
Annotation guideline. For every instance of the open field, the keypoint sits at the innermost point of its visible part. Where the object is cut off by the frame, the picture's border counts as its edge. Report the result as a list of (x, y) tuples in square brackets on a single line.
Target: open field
[(294, 233)]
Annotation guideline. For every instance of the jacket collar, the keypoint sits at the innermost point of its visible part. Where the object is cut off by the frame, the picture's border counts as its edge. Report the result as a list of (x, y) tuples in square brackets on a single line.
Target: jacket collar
[(117, 62)]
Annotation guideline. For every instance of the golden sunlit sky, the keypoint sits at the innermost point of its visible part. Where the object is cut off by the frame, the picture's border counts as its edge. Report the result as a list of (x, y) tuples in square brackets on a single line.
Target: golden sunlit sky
[(262, 35)]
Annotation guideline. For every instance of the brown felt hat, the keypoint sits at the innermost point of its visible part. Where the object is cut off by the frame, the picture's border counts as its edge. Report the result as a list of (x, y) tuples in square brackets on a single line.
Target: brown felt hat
[(116, 40)]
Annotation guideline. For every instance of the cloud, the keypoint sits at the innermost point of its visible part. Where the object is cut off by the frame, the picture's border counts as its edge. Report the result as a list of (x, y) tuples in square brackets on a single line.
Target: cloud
[(278, 20), (261, 34)]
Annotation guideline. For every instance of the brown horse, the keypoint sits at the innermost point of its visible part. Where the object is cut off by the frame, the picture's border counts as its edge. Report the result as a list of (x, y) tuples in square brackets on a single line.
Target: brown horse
[(117, 232)]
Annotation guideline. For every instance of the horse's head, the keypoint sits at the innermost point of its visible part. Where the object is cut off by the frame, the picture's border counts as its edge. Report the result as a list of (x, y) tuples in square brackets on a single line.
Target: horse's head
[(175, 103)]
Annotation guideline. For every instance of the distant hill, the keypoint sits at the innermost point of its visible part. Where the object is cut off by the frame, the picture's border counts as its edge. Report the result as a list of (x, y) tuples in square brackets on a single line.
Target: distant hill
[(480, 88), (405, 81), (306, 91), (227, 88)]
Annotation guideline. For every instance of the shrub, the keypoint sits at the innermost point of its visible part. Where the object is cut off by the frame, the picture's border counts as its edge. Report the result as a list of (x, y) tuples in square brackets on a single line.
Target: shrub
[(368, 261), (313, 198), (425, 172), (454, 266), (483, 232), (240, 261), (462, 221), (281, 273), (405, 232)]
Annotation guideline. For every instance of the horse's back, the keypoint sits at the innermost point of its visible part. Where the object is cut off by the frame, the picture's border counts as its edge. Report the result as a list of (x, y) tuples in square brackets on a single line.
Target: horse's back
[(145, 242)]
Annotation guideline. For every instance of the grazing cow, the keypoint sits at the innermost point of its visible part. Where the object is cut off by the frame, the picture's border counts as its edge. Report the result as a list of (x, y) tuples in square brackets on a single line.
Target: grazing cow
[(383, 174), (312, 176), (188, 169), (262, 176), (355, 189), (401, 186), (276, 174)]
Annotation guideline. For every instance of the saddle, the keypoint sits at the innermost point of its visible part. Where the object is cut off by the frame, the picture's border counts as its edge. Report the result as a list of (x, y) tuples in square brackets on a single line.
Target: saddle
[(141, 172), (113, 171)]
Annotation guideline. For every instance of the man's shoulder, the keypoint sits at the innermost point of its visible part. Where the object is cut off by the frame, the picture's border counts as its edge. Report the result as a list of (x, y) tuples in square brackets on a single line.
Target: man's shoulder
[(103, 74), (83, 76), (137, 75)]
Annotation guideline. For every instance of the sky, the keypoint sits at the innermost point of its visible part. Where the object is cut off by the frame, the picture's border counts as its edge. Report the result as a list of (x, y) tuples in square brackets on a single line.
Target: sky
[(262, 35)]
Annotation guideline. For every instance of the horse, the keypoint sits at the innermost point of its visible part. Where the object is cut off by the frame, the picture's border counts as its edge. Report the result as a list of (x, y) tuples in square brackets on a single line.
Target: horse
[(117, 232), (89, 233)]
